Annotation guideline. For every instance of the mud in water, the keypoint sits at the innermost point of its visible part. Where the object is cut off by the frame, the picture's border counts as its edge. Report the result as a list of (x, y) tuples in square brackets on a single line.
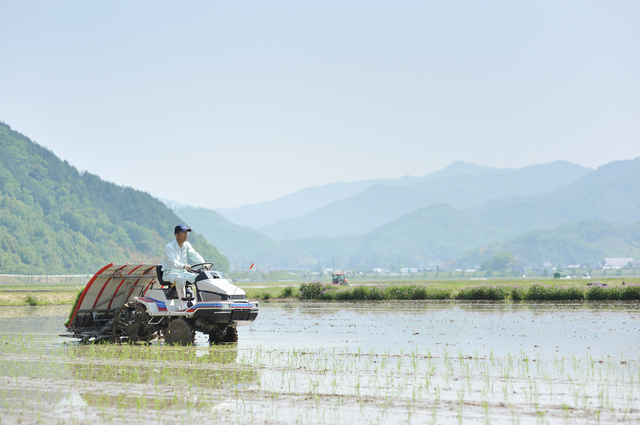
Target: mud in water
[(470, 327), (400, 362)]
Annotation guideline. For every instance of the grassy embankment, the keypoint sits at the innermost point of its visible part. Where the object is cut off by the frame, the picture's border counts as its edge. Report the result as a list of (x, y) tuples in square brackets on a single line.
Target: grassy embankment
[(515, 290), (494, 289), (13, 295), (288, 277), (40, 290)]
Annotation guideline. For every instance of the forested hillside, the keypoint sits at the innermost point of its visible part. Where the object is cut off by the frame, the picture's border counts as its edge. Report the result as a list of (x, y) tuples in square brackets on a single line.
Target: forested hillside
[(584, 242), (54, 218)]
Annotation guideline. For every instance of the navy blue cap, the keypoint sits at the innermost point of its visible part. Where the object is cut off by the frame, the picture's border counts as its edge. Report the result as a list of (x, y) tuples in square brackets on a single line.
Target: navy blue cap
[(181, 228)]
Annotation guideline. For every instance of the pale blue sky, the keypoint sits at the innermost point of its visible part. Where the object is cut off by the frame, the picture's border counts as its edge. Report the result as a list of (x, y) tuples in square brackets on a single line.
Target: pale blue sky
[(249, 101)]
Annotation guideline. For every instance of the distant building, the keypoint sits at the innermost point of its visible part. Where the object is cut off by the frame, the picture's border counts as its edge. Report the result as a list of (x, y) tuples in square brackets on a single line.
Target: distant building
[(619, 262), (409, 270)]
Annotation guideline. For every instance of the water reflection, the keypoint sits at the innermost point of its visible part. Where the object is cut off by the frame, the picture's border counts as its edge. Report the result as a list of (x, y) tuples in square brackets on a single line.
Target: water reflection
[(473, 328), (341, 362), (470, 327)]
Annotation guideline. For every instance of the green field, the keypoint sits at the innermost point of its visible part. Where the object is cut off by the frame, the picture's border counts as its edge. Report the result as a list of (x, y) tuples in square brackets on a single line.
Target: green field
[(283, 276), (361, 288)]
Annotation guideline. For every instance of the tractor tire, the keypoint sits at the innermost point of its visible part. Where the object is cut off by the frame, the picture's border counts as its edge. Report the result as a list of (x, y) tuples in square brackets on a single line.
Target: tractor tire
[(178, 333), (214, 339), (230, 336), (145, 331), (118, 325)]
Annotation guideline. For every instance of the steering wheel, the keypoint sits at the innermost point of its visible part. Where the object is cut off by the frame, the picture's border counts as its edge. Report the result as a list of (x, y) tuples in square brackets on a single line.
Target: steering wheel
[(200, 265)]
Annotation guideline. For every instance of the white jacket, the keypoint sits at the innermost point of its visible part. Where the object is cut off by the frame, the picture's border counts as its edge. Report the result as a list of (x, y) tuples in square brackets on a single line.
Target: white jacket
[(175, 258)]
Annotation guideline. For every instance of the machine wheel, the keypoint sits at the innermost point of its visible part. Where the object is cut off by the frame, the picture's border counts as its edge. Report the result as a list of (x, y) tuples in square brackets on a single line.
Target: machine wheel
[(178, 333), (146, 330), (130, 323), (214, 338), (121, 319), (230, 336)]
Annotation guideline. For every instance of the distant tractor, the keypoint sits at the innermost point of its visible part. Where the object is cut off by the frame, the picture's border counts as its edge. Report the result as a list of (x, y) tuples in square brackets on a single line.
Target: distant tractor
[(339, 278)]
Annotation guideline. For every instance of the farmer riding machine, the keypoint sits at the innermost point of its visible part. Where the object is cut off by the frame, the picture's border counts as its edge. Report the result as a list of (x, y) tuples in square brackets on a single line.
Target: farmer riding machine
[(131, 302)]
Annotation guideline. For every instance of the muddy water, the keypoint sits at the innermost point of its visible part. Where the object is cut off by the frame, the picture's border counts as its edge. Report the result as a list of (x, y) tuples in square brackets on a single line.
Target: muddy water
[(472, 328), (312, 362), (476, 328)]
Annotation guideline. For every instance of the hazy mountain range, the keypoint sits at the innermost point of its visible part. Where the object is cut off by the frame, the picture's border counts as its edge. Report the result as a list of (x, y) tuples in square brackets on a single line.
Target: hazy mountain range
[(54, 217), (444, 216), (383, 203)]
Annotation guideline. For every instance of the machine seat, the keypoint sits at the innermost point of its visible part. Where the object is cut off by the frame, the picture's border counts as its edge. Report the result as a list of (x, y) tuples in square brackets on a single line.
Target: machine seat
[(171, 293)]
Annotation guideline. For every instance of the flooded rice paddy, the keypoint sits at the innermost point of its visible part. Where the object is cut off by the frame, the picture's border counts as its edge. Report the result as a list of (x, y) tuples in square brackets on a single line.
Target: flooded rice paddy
[(312, 362)]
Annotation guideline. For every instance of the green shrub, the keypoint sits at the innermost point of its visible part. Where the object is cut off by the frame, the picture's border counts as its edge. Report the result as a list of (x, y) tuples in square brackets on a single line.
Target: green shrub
[(598, 293), (399, 293), (29, 300), (536, 292), (566, 293), (410, 292), (517, 293), (595, 293), (311, 291), (287, 292), (630, 292), (438, 294), (420, 293), (483, 292), (359, 293), (539, 292), (318, 291), (337, 295), (375, 293)]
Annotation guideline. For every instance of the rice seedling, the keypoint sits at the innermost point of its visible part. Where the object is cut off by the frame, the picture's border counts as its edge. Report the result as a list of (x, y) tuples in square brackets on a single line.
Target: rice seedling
[(315, 384)]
